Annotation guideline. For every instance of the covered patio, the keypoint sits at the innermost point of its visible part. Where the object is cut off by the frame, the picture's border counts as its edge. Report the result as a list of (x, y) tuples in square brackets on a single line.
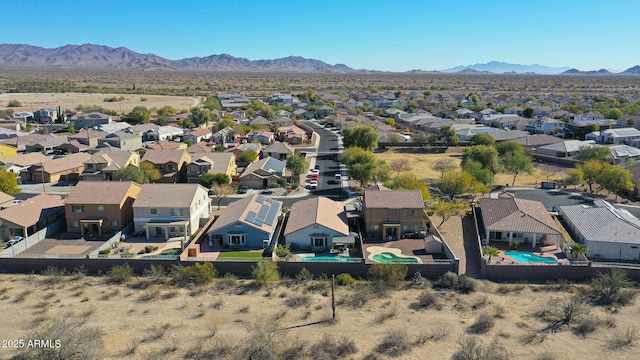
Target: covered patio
[(166, 229)]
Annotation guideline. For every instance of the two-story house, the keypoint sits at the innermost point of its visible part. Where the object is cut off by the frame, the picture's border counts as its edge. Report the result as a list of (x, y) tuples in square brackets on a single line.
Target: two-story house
[(171, 210), (31, 215), (263, 173), (279, 150), (388, 214), (122, 140), (210, 163), (88, 119), (104, 164), (89, 137), (170, 163), (93, 208)]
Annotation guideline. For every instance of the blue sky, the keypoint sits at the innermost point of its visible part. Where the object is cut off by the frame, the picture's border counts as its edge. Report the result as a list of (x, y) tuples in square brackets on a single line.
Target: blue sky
[(381, 35)]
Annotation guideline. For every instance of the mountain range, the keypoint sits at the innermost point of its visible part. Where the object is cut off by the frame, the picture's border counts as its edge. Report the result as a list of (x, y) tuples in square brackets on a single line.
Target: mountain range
[(92, 56)]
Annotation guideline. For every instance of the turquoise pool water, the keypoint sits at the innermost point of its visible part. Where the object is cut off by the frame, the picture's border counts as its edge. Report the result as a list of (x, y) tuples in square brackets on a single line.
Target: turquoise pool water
[(387, 257), (328, 258), (527, 257)]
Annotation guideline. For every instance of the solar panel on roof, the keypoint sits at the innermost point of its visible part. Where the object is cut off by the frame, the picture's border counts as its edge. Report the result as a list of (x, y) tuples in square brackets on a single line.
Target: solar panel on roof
[(251, 217), (262, 213), (260, 199), (273, 212)]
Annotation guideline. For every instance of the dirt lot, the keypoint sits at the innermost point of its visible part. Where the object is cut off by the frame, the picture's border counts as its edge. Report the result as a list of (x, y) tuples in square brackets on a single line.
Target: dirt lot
[(423, 161), (35, 101), (142, 320)]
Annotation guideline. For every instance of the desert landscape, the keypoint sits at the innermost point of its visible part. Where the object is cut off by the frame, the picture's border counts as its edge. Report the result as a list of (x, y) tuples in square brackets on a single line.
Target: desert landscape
[(149, 317)]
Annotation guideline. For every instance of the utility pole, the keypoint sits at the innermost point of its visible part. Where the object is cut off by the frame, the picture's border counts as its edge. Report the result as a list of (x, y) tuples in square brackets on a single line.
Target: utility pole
[(333, 295), (44, 190)]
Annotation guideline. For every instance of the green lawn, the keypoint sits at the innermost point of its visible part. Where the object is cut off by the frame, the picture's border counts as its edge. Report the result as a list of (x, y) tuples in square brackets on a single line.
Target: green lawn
[(240, 255)]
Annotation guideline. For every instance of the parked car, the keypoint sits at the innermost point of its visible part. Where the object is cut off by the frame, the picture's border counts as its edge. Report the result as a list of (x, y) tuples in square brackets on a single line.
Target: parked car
[(314, 177), (243, 190), (267, 192), (313, 185), (15, 240), (315, 171), (317, 167)]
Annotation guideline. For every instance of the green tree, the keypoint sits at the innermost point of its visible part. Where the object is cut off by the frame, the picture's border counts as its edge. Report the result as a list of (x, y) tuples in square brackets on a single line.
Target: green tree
[(454, 182), (212, 104), (131, 173), (297, 164), (607, 289), (577, 249), (139, 115), (591, 128), (491, 251), (480, 174), (591, 172), (419, 138), (574, 177), (528, 113), (8, 182), (221, 191), (362, 164), (448, 134), (167, 110), (209, 180), (482, 139), (400, 165), (382, 172), (248, 156), (615, 114), (71, 128), (599, 153), (485, 155), (447, 209), (408, 181), (509, 146), (200, 116), (615, 178), (390, 122), (266, 272), (516, 163), (152, 173), (361, 136)]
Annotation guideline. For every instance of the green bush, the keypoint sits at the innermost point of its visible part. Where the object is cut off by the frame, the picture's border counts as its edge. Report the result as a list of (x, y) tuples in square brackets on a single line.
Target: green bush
[(266, 272), (284, 251), (119, 274), (14, 103), (607, 289), (304, 275), (198, 274), (345, 279), (106, 251), (460, 283), (388, 274), (150, 248)]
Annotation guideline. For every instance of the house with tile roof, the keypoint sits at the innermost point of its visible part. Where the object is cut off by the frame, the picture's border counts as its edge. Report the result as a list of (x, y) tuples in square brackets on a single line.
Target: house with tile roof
[(279, 150), (103, 164), (168, 145), (89, 137), (210, 163), (171, 210), (198, 134), (31, 215), (261, 136), (66, 168), (171, 163), (93, 208), (122, 140), (87, 119), (6, 200), (608, 233), (17, 163), (510, 219), (388, 214), (314, 223), (263, 173), (70, 147), (535, 141), (249, 223)]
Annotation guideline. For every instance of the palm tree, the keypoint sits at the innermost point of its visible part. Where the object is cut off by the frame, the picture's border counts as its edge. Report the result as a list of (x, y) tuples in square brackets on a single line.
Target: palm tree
[(577, 250), (491, 251)]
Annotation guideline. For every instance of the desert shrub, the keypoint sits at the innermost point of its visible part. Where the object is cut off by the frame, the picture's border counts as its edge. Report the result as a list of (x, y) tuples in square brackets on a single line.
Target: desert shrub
[(227, 281), (330, 348), (359, 296), (156, 272), (388, 274), (586, 325), (532, 337), (304, 275), (78, 341), (198, 274), (266, 272), (295, 351), (298, 301), (427, 299), (472, 348), (54, 271), (607, 289), (14, 103), (483, 323), (623, 338), (345, 279), (120, 274), (384, 316), (394, 344), (283, 251), (460, 283)]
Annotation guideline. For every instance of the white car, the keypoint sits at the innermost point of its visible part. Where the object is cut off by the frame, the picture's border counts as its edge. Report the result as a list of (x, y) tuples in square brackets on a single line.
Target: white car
[(313, 185)]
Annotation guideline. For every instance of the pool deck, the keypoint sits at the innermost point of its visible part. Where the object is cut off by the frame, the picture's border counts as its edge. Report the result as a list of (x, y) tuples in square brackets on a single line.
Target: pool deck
[(375, 250), (545, 251), (402, 247)]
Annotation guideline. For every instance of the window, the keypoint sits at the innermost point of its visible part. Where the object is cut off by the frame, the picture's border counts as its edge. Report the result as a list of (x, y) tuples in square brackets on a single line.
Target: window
[(153, 211), (318, 242), (411, 212), (114, 223), (375, 227), (176, 212), (101, 208), (77, 209), (74, 224), (236, 239)]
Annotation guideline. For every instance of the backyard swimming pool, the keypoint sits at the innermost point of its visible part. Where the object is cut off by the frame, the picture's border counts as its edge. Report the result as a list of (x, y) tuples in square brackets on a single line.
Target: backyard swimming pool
[(527, 257), (387, 257), (329, 258)]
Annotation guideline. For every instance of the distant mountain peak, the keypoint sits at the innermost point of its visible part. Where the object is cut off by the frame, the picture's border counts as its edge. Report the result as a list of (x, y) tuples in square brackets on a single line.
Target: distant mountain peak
[(499, 67)]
